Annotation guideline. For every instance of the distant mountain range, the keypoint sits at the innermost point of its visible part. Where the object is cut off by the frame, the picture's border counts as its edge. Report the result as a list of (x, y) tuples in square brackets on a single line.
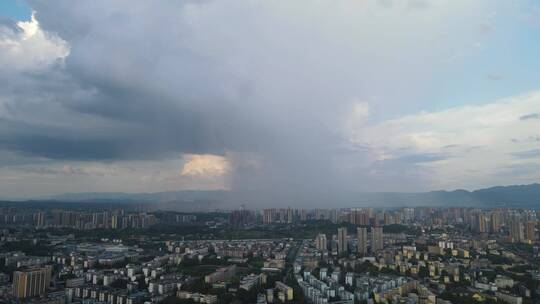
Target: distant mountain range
[(519, 196)]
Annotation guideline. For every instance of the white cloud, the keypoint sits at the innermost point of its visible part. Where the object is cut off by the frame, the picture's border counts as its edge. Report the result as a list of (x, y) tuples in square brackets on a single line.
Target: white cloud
[(477, 142), (29, 48)]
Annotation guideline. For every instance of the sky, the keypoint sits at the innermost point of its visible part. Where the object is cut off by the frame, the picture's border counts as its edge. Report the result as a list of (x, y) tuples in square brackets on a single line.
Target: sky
[(285, 99)]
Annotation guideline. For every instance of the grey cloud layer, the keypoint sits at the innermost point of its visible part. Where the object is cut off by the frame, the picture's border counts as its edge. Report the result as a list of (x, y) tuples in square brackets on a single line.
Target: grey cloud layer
[(272, 81)]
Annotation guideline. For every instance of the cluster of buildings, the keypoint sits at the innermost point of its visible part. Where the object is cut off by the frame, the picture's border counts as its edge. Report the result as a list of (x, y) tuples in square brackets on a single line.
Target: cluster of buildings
[(96, 273), (115, 219), (420, 255), (110, 272), (18, 259), (97, 218), (367, 240), (355, 216), (289, 215), (457, 253)]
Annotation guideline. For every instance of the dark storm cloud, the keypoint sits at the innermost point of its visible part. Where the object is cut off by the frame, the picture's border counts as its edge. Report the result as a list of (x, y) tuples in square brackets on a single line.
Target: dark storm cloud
[(158, 96), (109, 143), (152, 95)]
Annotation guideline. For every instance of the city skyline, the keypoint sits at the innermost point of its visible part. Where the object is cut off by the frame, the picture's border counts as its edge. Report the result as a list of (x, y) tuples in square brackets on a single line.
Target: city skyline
[(270, 152), (60, 253)]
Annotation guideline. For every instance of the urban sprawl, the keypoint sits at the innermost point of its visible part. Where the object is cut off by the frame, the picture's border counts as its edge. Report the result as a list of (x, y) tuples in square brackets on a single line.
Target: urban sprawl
[(105, 254)]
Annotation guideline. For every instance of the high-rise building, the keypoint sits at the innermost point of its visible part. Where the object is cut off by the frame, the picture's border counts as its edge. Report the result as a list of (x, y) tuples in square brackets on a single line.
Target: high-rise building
[(323, 273), (285, 293), (269, 216), (480, 223), (516, 230), (377, 242), (342, 240), (408, 214), (114, 222), (379, 218), (358, 217), (397, 218), (333, 216), (361, 246), (290, 216), (321, 242), (530, 231), (40, 219), (529, 215), (241, 218), (495, 222), (303, 215), (31, 282), (388, 219)]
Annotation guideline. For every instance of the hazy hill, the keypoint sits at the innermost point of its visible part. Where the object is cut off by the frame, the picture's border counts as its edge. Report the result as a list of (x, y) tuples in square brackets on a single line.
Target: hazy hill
[(519, 196)]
